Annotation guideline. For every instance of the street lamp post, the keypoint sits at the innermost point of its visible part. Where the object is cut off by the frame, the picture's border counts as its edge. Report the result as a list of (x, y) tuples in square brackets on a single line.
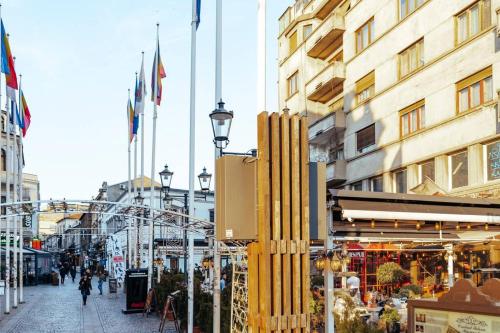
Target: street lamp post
[(138, 201), (166, 180), (221, 120)]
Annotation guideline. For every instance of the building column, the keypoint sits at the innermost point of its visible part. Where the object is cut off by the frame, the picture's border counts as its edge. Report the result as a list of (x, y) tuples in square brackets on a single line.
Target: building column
[(412, 176), (387, 180), (475, 164), (329, 289), (442, 172), (449, 254)]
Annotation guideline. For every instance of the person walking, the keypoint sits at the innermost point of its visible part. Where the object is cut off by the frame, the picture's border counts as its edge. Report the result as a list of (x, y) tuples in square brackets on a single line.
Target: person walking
[(62, 272), (72, 272), (100, 281), (85, 287)]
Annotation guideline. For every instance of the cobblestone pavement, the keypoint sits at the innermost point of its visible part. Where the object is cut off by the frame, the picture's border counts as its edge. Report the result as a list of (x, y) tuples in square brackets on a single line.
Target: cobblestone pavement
[(51, 309)]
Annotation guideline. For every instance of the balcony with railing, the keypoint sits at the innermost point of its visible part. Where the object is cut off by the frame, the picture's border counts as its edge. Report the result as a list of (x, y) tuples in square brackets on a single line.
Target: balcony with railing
[(325, 7), (327, 84), (321, 131), (336, 172), (327, 37)]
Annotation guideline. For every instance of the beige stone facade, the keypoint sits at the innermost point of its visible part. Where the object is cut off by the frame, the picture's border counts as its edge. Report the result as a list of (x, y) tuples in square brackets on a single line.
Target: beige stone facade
[(406, 101)]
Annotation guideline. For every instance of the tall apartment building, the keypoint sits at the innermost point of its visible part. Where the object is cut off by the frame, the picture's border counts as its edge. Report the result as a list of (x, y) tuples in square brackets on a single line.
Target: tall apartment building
[(419, 93)]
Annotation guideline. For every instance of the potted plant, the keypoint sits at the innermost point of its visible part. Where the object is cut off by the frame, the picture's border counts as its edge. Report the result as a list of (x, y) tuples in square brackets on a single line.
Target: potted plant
[(390, 273), (391, 318)]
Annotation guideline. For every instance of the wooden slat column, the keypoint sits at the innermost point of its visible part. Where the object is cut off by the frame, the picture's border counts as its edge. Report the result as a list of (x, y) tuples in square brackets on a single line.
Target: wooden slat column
[(280, 258)]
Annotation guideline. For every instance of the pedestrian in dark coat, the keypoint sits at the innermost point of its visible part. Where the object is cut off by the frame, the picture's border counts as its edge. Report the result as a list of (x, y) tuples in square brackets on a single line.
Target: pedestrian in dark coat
[(62, 272), (72, 271), (85, 286)]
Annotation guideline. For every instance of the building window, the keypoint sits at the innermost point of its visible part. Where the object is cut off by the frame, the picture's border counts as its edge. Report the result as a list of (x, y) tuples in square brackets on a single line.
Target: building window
[(427, 171), (411, 59), (3, 160), (400, 181), (357, 186), (292, 43), (293, 86), (365, 35), (406, 7), (377, 184), (459, 169), (306, 31), (492, 161), (365, 138), (412, 118), (473, 20), (475, 90), (365, 88)]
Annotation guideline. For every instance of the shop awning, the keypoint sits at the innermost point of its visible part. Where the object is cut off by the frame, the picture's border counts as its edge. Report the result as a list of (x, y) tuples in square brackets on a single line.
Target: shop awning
[(411, 207)]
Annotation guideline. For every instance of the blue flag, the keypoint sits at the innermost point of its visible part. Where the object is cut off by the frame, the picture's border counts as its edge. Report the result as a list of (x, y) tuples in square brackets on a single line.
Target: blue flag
[(5, 60), (198, 11)]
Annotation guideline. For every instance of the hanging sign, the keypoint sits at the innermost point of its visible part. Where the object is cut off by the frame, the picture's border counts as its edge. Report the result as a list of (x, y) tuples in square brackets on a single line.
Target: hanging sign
[(118, 262)]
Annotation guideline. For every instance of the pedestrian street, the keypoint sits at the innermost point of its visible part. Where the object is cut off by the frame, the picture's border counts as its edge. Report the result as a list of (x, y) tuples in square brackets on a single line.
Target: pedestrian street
[(60, 309)]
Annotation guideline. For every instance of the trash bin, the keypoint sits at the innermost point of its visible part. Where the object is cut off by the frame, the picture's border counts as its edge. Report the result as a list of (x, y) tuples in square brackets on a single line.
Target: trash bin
[(55, 279)]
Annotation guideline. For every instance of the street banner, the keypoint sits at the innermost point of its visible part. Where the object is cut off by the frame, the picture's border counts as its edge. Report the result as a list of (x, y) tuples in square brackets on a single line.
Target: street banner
[(118, 265)]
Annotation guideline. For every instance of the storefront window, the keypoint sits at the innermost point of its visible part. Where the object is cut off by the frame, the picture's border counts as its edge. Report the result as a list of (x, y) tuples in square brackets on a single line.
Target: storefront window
[(377, 184), (459, 170), (400, 181), (358, 186), (427, 170), (493, 160)]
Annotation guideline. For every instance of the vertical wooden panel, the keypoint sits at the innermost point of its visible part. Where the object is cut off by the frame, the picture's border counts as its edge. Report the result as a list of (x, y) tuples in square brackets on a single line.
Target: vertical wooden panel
[(304, 170), (276, 216), (296, 232), (263, 197), (285, 216), (253, 287)]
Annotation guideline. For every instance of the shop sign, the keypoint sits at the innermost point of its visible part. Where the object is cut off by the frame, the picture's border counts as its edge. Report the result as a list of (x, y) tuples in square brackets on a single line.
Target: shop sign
[(357, 254), (436, 321)]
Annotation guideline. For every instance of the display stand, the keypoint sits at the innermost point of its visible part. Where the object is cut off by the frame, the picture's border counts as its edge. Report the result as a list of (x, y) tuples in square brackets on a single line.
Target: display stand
[(169, 314)]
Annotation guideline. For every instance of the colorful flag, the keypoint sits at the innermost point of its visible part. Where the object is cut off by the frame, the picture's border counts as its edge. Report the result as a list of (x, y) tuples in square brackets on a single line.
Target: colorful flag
[(25, 114), (135, 124), (130, 116), (140, 92), (158, 74), (7, 66), (198, 13)]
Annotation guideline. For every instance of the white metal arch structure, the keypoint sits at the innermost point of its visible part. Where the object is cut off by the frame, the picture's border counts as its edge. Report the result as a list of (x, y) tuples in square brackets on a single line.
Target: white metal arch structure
[(170, 218)]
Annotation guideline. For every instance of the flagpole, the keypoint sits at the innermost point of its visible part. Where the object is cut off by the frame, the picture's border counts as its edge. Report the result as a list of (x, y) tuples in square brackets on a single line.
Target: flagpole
[(136, 233), (21, 179), (153, 147), (8, 161), (218, 97), (14, 199), (129, 143), (192, 114), (1, 143), (261, 55), (141, 221)]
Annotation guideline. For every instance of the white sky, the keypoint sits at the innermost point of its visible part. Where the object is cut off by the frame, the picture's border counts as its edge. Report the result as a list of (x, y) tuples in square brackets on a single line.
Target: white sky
[(78, 59)]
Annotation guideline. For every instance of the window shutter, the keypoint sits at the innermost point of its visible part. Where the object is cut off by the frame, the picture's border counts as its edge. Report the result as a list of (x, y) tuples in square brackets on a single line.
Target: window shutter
[(365, 137), (365, 82), (474, 78)]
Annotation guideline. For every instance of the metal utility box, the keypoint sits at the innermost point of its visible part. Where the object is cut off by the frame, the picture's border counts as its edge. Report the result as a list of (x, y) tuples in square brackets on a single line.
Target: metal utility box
[(236, 198), (317, 200)]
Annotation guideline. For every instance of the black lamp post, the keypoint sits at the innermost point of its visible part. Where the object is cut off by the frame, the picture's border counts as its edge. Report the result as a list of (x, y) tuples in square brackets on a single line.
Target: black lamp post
[(139, 199), (221, 125), (205, 179), (166, 179)]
